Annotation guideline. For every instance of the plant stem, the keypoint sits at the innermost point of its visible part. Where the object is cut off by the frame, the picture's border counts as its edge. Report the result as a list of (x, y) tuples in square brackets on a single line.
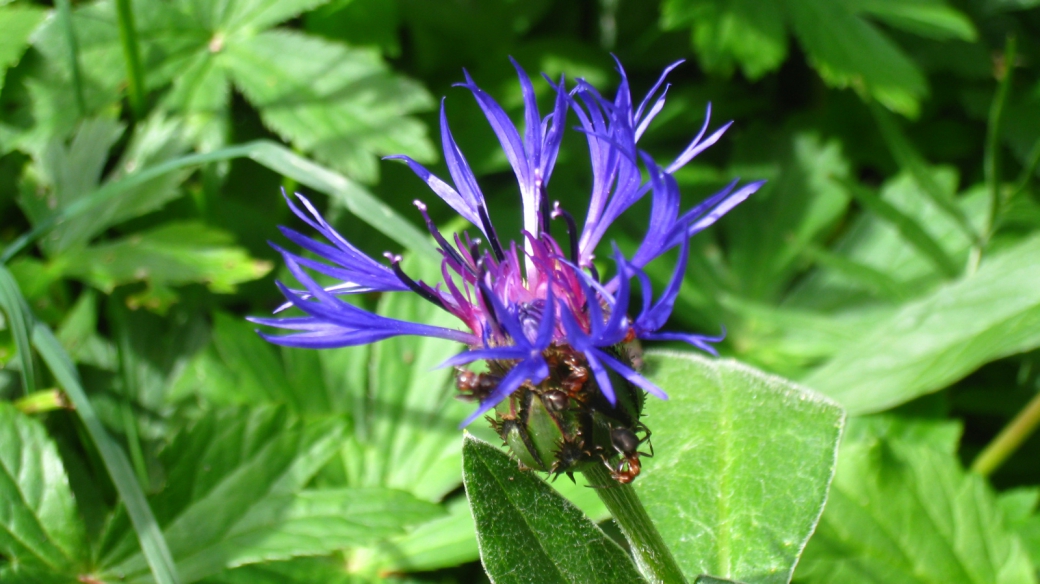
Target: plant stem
[(132, 54), (45, 400), (991, 154), (1009, 439), (65, 14), (651, 554)]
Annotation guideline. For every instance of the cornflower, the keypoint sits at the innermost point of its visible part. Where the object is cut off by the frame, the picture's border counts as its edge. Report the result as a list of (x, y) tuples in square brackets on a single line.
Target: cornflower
[(537, 311)]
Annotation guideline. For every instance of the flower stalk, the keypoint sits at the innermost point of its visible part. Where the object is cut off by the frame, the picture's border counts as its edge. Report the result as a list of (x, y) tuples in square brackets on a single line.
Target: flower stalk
[(652, 556)]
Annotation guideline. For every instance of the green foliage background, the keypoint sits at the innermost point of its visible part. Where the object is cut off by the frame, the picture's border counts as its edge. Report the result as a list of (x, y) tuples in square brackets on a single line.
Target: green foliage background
[(891, 263)]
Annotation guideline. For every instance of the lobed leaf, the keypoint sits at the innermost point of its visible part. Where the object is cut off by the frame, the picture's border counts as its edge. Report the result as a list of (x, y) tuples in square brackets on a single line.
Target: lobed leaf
[(902, 511), (41, 533)]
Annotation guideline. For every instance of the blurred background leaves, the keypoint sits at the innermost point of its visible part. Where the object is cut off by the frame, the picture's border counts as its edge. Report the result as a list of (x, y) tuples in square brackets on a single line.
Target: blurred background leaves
[(889, 262)]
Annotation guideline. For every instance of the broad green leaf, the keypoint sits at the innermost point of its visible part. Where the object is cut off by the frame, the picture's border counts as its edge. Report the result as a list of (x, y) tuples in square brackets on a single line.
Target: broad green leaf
[(741, 467), (1021, 512), (40, 530), (904, 512), (16, 23), (170, 255), (230, 478), (936, 340), (529, 533)]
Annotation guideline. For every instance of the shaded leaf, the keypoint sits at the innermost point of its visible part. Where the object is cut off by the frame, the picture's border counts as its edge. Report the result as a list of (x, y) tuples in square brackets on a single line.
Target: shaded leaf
[(929, 343), (529, 533), (741, 467), (745, 32), (230, 479), (40, 530)]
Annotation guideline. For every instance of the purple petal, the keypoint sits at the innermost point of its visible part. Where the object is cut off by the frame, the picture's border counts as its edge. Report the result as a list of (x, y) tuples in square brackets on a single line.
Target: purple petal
[(632, 377), (533, 370)]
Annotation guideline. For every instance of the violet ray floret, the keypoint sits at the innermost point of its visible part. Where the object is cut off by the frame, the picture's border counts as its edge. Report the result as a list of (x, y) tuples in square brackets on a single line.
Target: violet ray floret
[(521, 300)]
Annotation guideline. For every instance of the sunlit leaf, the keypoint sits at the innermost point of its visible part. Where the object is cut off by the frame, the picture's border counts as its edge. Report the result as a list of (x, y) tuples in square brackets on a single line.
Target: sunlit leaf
[(40, 530), (170, 255), (906, 512), (742, 462), (16, 23), (529, 533), (941, 337)]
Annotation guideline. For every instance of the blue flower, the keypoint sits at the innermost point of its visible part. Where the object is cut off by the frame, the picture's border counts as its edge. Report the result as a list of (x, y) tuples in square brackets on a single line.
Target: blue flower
[(519, 300)]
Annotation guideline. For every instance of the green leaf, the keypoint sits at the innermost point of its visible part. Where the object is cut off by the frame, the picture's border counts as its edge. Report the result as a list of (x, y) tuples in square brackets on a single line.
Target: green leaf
[(749, 32), (936, 340), (78, 334), (270, 154), (155, 549), (876, 244), (849, 51), (906, 512), (16, 23), (19, 321), (172, 254), (295, 571), (40, 530), (235, 489), (339, 103), (65, 177), (927, 18), (442, 543), (913, 233), (529, 533), (741, 467)]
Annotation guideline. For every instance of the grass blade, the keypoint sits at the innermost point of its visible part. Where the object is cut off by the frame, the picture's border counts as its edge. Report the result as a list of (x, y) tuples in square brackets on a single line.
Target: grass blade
[(270, 154), (910, 160), (907, 227), (148, 533), (65, 14), (132, 54), (17, 312)]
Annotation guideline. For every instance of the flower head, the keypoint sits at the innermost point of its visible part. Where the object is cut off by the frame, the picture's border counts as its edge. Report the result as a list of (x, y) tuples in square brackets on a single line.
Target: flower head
[(534, 308)]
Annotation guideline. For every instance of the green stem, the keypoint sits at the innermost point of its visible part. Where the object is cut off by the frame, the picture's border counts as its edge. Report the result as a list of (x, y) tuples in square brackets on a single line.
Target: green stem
[(992, 154), (65, 14), (1009, 439), (132, 54), (651, 554), (45, 400)]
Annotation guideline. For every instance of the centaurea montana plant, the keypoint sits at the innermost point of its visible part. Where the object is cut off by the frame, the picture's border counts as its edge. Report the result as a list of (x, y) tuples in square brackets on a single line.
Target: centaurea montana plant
[(554, 332)]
